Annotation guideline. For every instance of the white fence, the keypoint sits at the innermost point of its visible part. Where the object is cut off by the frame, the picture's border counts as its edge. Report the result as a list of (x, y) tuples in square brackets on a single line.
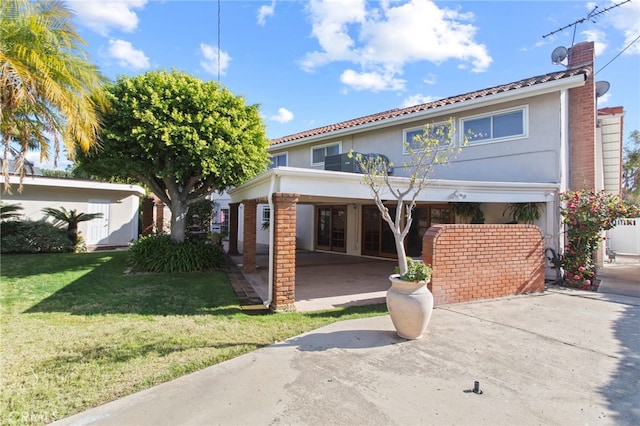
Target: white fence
[(625, 237)]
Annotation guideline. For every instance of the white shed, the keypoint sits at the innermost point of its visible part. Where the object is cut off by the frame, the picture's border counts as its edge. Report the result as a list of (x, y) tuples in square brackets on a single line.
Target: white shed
[(118, 203)]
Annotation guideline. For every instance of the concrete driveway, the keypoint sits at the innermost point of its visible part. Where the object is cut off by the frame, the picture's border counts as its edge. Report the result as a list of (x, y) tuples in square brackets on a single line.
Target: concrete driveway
[(621, 277), (562, 357)]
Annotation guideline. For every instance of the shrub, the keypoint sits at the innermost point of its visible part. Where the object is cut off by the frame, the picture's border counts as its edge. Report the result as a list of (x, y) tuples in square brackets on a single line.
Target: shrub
[(33, 237), (416, 271), (157, 253), (586, 215)]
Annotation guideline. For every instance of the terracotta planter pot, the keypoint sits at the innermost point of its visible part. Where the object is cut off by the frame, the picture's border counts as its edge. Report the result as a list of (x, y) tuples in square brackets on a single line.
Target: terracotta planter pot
[(410, 305)]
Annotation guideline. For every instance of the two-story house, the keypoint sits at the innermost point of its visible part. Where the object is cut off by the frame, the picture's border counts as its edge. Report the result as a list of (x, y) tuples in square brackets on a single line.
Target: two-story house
[(530, 140)]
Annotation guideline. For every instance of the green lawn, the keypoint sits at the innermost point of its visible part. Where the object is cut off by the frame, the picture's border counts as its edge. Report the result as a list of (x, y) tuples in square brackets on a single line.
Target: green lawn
[(77, 332)]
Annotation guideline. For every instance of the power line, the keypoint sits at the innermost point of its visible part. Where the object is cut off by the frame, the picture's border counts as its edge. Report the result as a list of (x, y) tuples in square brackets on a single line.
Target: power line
[(621, 52)]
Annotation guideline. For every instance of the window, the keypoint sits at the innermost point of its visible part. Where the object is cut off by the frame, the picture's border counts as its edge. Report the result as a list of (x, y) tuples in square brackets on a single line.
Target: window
[(438, 131), (265, 217), (318, 153), (278, 160), (502, 125), (224, 221)]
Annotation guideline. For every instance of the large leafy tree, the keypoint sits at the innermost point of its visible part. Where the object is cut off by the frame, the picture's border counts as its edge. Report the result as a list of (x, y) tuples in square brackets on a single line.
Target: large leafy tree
[(49, 89), (182, 137), (631, 169)]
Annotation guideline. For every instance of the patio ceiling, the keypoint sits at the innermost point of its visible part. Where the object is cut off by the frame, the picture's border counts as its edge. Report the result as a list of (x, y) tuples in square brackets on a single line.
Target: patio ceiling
[(322, 186)]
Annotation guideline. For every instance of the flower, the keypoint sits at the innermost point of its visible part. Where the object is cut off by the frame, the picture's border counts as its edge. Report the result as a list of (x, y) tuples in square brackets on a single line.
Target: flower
[(586, 215)]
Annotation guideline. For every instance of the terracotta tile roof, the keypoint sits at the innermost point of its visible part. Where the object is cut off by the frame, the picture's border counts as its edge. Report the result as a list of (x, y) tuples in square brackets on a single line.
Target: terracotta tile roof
[(528, 82)]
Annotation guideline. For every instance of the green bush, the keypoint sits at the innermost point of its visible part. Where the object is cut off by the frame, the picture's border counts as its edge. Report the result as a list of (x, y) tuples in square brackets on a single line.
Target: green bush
[(157, 253), (33, 237)]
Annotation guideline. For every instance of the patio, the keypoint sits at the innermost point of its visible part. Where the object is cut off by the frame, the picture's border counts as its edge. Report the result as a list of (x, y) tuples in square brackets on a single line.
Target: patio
[(327, 280)]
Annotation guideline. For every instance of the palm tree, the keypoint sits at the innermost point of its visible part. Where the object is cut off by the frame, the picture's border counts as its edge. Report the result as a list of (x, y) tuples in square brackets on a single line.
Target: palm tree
[(49, 90), (71, 218), (10, 211)]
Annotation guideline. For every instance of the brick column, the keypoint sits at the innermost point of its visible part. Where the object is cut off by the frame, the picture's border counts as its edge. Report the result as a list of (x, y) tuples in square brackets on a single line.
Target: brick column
[(147, 217), (284, 252), (233, 229), (582, 121), (249, 240), (159, 207)]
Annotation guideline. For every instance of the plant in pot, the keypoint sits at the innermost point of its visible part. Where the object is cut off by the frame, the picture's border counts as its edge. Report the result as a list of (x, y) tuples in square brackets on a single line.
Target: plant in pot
[(409, 301), (523, 212), (470, 212)]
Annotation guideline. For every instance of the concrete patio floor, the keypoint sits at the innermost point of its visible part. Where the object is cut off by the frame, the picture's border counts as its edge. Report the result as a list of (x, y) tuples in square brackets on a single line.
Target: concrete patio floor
[(328, 280)]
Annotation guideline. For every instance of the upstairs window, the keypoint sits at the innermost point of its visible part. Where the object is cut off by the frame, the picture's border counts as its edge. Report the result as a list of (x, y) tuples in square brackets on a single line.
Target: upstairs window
[(279, 160), (438, 131), (318, 153), (502, 125)]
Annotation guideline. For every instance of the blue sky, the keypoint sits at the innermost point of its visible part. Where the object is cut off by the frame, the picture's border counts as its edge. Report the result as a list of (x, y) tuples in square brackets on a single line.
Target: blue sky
[(313, 63)]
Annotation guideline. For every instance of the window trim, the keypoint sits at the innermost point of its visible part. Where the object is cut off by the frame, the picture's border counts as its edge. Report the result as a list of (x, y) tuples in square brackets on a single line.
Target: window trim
[(286, 156), (454, 138), (339, 143), (523, 135)]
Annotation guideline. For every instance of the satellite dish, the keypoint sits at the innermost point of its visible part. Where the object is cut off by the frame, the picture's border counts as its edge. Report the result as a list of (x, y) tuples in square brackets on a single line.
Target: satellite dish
[(602, 87), (559, 54)]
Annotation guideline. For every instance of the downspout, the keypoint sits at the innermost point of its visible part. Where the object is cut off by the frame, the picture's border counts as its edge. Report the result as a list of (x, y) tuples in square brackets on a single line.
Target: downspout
[(272, 225)]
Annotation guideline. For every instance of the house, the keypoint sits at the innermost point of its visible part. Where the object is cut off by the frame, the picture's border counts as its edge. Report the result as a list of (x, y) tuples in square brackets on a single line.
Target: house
[(531, 140), (118, 203)]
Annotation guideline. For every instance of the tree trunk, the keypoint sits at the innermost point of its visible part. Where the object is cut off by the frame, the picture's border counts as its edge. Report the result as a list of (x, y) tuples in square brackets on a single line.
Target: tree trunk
[(179, 210), (72, 232), (402, 255)]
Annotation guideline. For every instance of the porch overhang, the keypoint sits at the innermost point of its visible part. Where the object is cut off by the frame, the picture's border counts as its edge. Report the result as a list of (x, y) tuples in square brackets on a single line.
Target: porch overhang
[(323, 186)]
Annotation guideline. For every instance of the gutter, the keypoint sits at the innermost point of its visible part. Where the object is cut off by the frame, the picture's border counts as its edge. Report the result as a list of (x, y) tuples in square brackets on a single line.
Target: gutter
[(272, 185)]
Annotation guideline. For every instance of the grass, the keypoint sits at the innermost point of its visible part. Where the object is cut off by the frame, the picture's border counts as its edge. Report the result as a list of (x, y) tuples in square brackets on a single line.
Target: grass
[(76, 332)]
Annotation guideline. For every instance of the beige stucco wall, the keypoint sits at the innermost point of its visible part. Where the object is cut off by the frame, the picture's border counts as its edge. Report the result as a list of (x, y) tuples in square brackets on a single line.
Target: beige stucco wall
[(534, 158)]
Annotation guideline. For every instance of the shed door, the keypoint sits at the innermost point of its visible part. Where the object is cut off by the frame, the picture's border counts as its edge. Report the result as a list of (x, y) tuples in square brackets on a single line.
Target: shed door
[(98, 229)]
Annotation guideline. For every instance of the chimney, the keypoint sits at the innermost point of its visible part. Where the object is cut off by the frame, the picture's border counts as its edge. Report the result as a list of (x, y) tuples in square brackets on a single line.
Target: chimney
[(582, 121), (581, 54)]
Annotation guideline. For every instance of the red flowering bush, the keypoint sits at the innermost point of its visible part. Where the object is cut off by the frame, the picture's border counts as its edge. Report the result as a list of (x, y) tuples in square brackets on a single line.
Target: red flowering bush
[(585, 215)]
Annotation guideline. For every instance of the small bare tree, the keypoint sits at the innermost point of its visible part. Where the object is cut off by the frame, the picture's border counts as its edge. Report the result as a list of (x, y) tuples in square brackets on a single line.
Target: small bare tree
[(435, 146)]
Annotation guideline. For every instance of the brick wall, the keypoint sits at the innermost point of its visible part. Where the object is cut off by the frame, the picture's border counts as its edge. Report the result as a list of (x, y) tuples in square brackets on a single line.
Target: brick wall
[(472, 262), (284, 252)]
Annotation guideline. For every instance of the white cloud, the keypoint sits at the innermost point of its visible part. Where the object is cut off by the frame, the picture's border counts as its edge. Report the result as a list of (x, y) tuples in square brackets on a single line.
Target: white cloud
[(430, 79), (374, 81), (417, 99), (266, 11), (210, 59), (604, 99), (599, 39), (127, 55), (388, 36), (101, 16), (625, 19), (283, 116)]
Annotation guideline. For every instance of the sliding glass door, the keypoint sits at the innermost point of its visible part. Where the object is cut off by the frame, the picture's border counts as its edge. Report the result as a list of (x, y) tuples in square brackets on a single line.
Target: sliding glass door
[(331, 228)]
